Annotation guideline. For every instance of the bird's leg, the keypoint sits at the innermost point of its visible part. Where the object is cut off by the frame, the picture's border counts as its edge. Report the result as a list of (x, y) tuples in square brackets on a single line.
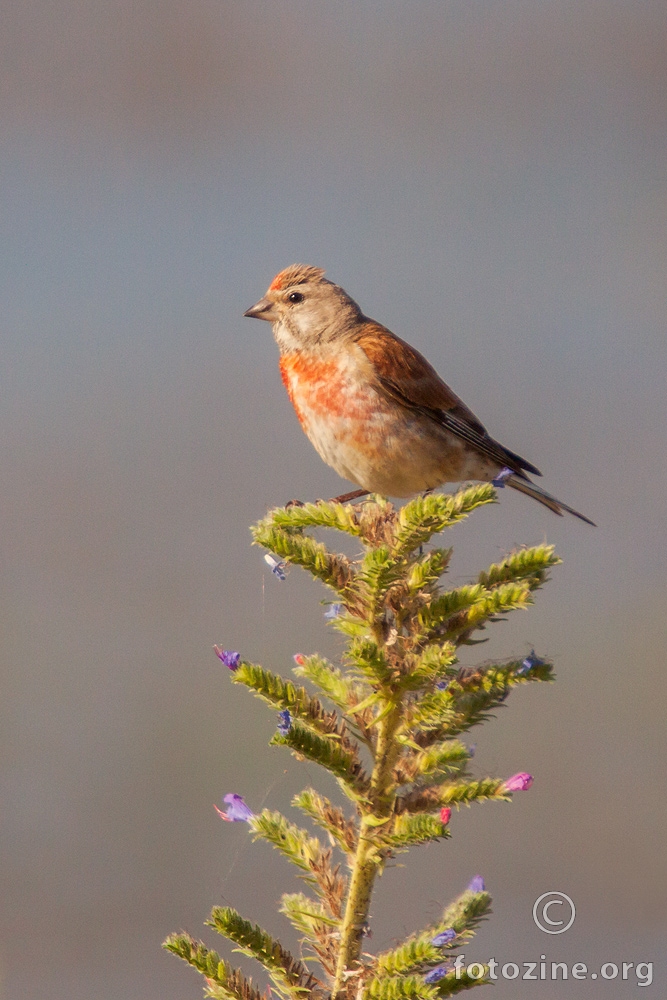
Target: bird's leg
[(343, 498), (353, 495)]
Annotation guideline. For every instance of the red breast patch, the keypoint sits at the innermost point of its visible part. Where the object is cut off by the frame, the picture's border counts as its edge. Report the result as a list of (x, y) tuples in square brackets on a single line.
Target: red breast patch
[(313, 385)]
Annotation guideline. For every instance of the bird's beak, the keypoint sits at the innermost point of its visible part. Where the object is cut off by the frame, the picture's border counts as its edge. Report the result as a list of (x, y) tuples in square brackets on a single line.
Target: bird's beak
[(261, 310)]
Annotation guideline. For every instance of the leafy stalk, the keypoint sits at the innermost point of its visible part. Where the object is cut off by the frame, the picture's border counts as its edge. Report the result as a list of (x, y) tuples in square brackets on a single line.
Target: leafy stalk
[(384, 724)]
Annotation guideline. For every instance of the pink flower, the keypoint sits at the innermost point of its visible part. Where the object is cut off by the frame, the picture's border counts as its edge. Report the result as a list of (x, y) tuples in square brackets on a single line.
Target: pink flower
[(520, 782), (445, 815)]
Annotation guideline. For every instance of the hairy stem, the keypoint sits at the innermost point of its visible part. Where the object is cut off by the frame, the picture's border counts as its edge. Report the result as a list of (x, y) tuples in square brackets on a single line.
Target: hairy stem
[(365, 866)]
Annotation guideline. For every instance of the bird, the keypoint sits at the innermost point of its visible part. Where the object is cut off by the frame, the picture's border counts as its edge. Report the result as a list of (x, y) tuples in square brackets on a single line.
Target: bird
[(374, 408)]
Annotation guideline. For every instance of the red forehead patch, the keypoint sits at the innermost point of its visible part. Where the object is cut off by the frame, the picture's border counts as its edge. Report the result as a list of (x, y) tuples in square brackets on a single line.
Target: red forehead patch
[(296, 274), (277, 283)]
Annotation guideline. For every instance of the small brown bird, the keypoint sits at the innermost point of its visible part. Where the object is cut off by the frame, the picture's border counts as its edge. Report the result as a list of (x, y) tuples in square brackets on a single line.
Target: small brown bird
[(376, 411)]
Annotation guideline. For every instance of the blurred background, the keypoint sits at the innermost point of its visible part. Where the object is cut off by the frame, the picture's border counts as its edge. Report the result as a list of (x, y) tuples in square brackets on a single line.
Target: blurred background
[(488, 179)]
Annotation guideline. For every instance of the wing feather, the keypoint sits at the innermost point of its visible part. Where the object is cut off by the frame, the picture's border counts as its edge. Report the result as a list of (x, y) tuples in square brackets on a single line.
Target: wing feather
[(405, 375)]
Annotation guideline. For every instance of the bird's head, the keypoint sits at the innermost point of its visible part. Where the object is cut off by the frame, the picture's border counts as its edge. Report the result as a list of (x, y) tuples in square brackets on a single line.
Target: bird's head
[(305, 309)]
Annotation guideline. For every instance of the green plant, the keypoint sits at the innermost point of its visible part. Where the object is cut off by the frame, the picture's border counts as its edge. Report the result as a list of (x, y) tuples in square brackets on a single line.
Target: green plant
[(391, 741)]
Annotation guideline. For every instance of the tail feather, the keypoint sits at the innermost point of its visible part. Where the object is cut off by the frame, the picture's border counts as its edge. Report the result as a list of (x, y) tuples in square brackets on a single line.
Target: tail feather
[(537, 493)]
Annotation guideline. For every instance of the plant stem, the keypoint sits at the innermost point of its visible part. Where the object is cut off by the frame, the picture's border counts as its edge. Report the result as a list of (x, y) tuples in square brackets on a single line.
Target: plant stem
[(366, 864)]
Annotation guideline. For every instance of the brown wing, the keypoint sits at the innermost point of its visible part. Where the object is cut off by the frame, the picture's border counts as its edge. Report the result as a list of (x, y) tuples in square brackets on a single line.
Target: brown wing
[(407, 376)]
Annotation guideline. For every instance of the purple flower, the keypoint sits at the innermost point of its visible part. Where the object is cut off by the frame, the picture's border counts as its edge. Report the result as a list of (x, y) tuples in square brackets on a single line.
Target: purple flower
[(237, 810), (335, 611), (499, 481), (285, 723), (229, 657), (476, 884), (441, 685), (520, 782), (435, 975), (472, 749), (530, 662), (277, 568), (444, 937)]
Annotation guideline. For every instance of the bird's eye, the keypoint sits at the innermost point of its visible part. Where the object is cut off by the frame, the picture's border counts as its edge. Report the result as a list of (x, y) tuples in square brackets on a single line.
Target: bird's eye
[(295, 297)]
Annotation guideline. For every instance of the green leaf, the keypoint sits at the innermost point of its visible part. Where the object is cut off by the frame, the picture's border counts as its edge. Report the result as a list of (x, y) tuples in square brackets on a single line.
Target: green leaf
[(426, 516), (306, 915), (334, 684), (400, 988), (475, 693), (426, 570), (529, 564), (321, 933), (434, 711), (323, 514), (450, 603), (434, 663), (296, 844), (452, 793), (231, 984), (284, 968), (454, 983), (368, 659), (409, 830), (351, 625), (336, 753), (284, 694), (377, 572), (449, 755), (503, 598), (410, 956), (293, 547), (466, 913), (454, 614), (328, 817), (463, 916)]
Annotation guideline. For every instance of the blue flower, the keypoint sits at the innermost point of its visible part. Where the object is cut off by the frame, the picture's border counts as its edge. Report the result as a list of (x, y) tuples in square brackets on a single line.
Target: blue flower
[(499, 481), (444, 937), (472, 749), (435, 975), (530, 662), (441, 685), (335, 611), (277, 568), (229, 657), (476, 884), (237, 810), (285, 723)]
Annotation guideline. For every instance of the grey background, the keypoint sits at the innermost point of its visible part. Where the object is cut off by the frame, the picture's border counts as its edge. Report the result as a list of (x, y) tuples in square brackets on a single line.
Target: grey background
[(489, 180)]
